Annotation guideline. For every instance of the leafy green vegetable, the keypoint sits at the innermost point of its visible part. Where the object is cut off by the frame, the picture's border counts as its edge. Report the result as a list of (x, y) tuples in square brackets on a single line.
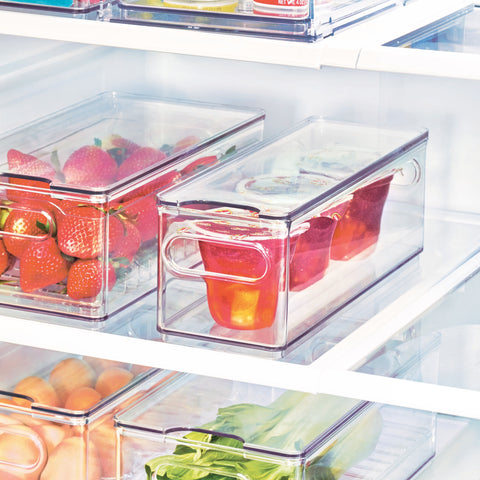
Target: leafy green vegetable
[(288, 425)]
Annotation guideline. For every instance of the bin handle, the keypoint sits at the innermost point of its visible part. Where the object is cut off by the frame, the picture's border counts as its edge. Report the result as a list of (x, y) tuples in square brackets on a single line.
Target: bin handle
[(186, 272), (25, 431), (50, 224)]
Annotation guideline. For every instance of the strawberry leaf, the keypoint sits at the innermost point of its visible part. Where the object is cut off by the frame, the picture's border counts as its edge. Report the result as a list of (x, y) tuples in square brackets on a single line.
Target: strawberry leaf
[(229, 151), (97, 142)]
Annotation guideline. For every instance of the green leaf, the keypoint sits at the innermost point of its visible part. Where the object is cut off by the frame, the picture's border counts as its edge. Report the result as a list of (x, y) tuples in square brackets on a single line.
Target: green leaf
[(97, 142)]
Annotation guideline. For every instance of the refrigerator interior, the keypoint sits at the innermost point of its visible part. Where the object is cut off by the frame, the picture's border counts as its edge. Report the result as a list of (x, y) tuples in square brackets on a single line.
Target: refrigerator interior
[(39, 77)]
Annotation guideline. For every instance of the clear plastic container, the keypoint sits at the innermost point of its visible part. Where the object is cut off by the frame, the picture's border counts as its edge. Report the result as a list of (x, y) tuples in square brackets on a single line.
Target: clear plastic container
[(264, 248), (199, 427), (307, 20), (56, 412), (84, 9), (79, 220)]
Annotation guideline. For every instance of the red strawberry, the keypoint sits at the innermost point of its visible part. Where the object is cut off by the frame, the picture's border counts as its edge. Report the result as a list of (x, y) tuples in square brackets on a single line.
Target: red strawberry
[(117, 141), (186, 142), (143, 213), (81, 231), (140, 159), (28, 165), (156, 185), (86, 279), (4, 258), (199, 164), (25, 219), (42, 265), (129, 244), (90, 166)]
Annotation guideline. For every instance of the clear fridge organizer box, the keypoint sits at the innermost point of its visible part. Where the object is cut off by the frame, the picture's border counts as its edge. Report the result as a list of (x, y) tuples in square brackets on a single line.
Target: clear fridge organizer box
[(77, 192), (83, 9), (262, 249), (56, 412), (304, 20), (201, 427)]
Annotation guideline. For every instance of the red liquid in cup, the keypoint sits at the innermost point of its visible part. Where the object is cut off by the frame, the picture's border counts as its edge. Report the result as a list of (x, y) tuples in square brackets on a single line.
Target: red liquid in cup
[(312, 251), (358, 230), (236, 304)]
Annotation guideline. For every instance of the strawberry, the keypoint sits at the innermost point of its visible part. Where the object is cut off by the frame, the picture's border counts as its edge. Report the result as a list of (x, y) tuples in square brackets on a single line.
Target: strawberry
[(5, 259), (86, 279), (143, 213), (90, 166), (27, 165), (186, 142), (42, 265), (81, 231), (139, 160), (25, 219), (199, 164), (129, 243), (156, 185), (117, 141)]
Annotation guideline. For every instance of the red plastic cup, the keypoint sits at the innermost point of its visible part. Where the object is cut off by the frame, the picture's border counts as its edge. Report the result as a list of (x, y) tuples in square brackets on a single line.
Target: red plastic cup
[(244, 272), (358, 230), (312, 251)]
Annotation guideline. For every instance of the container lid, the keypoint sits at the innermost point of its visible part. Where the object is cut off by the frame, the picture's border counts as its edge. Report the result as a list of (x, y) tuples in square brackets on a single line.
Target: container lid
[(257, 418), (313, 163), (69, 387), (114, 140)]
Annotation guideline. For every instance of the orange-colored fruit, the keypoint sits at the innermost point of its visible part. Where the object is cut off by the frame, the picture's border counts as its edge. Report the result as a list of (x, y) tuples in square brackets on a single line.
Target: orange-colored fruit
[(70, 374), (69, 460), (100, 364), (22, 452), (38, 389), (112, 379), (82, 398), (104, 438), (52, 434)]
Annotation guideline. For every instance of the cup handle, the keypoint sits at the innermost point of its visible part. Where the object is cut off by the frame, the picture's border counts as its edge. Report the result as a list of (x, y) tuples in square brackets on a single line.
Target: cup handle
[(187, 272)]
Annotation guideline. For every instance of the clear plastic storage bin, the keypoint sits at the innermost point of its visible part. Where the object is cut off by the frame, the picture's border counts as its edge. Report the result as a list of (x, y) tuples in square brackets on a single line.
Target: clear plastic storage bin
[(292, 19), (78, 214), (199, 427), (84, 9), (263, 248), (56, 413)]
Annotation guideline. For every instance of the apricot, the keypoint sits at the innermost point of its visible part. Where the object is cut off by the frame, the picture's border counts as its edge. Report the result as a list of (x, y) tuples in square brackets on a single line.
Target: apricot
[(104, 438), (69, 460), (38, 389), (70, 374), (82, 399), (100, 364), (52, 434), (112, 379), (22, 452)]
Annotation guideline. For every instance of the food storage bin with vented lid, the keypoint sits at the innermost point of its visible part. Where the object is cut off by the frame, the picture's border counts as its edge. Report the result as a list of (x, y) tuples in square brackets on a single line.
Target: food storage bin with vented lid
[(78, 214), (196, 427), (269, 244)]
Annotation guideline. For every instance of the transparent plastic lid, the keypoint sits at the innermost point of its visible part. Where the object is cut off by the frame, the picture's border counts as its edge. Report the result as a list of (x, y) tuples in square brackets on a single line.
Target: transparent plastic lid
[(457, 32), (111, 141), (263, 419), (309, 164)]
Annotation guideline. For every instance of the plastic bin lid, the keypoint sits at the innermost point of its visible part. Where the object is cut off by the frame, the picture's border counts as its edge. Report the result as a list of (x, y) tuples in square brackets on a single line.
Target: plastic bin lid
[(259, 418), (113, 140), (308, 164)]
